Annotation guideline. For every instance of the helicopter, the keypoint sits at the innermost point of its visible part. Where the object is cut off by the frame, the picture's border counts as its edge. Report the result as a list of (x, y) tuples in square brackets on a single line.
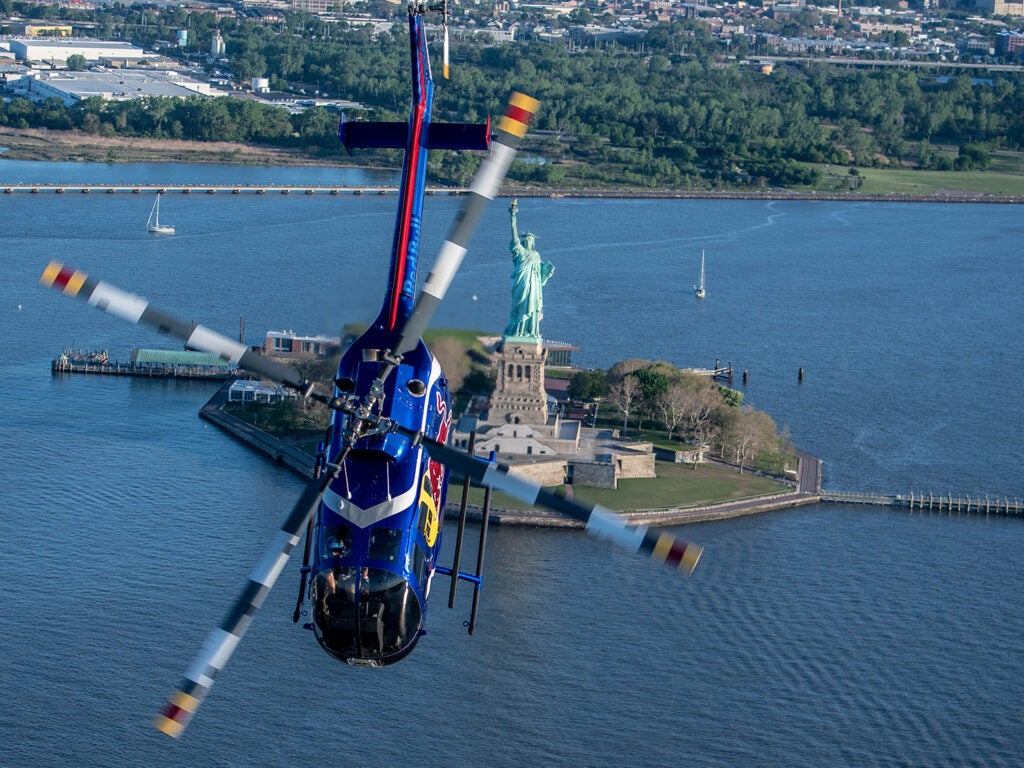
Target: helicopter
[(373, 512)]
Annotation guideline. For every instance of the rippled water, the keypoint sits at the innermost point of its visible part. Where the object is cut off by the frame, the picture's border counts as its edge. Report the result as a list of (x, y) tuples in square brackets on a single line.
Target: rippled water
[(818, 636)]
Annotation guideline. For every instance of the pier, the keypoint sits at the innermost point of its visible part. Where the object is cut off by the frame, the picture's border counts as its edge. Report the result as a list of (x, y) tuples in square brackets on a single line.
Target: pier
[(214, 189), (96, 362), (718, 373), (931, 502)]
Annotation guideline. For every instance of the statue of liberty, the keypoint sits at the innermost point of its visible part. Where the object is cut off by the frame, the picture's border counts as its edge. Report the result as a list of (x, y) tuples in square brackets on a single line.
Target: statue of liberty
[(529, 274)]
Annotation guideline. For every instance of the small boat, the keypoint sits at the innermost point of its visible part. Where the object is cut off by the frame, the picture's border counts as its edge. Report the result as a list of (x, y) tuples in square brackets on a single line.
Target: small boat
[(698, 290), (153, 223)]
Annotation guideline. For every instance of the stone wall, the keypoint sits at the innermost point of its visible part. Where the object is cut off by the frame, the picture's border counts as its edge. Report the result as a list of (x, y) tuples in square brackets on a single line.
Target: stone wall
[(598, 474), (546, 473), (690, 456), (633, 465)]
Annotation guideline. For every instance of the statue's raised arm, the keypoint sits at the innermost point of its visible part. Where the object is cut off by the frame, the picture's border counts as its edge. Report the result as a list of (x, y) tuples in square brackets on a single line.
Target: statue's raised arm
[(512, 214)]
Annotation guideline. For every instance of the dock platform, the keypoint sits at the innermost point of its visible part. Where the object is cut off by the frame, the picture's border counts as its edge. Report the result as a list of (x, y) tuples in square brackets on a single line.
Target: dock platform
[(96, 362)]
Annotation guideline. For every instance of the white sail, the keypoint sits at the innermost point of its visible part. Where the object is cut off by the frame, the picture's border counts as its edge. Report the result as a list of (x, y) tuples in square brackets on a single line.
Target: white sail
[(153, 223), (699, 289)]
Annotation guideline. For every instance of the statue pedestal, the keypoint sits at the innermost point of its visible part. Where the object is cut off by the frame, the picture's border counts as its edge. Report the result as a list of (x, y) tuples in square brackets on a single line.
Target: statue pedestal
[(519, 396)]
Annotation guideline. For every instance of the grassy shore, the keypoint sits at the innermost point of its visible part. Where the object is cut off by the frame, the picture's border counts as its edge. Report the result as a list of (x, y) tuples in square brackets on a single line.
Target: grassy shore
[(676, 485), (76, 146), (1005, 179)]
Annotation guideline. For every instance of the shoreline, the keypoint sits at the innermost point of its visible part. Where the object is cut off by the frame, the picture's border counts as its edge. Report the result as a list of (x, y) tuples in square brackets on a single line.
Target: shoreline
[(43, 145)]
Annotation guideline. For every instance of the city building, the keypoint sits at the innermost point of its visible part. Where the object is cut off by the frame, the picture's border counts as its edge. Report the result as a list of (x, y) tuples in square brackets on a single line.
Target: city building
[(1010, 44), (55, 51), (1000, 7), (113, 85), (291, 344), (249, 391)]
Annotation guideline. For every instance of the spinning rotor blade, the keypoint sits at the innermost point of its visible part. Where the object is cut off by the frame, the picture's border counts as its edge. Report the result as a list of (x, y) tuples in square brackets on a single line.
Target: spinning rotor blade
[(135, 309), (221, 643), (511, 128), (444, 58), (600, 522)]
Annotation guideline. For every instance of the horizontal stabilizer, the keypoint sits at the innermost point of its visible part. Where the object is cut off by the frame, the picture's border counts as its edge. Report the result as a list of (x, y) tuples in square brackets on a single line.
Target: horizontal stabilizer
[(359, 135), (459, 135), (395, 135)]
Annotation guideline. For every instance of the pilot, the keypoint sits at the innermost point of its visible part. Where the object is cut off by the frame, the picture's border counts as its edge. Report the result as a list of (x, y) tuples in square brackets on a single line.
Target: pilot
[(335, 547)]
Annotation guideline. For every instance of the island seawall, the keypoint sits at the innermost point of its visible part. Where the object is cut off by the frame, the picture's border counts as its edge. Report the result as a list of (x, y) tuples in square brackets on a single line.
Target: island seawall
[(292, 456)]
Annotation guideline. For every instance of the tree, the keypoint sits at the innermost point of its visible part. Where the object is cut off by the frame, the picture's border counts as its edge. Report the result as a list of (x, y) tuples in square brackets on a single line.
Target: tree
[(76, 62), (747, 433), (622, 395), (653, 383), (671, 405), (703, 400), (588, 385)]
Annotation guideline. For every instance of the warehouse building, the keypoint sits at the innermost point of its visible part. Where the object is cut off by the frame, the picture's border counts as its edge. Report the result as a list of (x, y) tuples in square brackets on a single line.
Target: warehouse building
[(113, 85), (56, 51)]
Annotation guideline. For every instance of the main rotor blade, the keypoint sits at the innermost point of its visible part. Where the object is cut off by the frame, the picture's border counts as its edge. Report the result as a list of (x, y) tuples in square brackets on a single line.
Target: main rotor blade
[(600, 522), (511, 128), (221, 643), (136, 309)]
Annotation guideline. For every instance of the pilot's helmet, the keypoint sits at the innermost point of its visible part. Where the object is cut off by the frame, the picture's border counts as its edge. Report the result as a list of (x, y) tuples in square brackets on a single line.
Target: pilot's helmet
[(335, 547)]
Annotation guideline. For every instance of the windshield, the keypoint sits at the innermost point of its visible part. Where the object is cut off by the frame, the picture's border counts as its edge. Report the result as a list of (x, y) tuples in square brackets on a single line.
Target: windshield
[(373, 614)]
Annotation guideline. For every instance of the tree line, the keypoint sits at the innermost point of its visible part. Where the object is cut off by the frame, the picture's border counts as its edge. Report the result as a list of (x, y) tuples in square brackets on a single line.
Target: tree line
[(674, 117), (688, 407)]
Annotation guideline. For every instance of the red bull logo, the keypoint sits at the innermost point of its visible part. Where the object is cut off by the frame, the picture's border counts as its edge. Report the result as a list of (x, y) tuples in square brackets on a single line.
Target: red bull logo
[(430, 491)]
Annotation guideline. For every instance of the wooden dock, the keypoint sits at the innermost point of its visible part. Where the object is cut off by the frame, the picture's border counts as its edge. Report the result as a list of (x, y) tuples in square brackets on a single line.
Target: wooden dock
[(931, 502), (718, 373), (214, 189)]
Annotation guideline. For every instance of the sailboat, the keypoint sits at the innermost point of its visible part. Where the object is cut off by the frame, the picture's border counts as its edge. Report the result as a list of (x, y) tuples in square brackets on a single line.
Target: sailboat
[(153, 223), (698, 290)]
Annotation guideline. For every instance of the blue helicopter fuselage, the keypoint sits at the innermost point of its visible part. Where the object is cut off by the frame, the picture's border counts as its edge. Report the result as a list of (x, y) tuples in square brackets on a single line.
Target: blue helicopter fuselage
[(377, 532)]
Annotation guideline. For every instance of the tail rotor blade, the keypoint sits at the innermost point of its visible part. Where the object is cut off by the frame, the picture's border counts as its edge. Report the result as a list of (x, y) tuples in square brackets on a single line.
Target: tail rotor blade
[(136, 309), (511, 128), (600, 522), (221, 643)]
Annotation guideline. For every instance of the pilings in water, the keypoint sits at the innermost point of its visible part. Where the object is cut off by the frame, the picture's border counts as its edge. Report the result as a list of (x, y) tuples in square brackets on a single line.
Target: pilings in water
[(932, 502)]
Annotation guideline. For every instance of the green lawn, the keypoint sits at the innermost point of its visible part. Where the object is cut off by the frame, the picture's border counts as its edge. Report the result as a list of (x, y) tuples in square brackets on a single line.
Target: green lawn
[(885, 181), (1004, 177), (677, 485)]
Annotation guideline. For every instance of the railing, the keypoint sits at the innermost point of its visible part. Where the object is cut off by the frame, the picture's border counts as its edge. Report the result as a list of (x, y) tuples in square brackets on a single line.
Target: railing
[(931, 502)]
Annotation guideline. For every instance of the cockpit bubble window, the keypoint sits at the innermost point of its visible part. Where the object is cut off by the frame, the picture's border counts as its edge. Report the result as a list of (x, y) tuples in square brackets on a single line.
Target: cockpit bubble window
[(334, 593), (385, 544), (369, 613), (337, 541), (389, 612)]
